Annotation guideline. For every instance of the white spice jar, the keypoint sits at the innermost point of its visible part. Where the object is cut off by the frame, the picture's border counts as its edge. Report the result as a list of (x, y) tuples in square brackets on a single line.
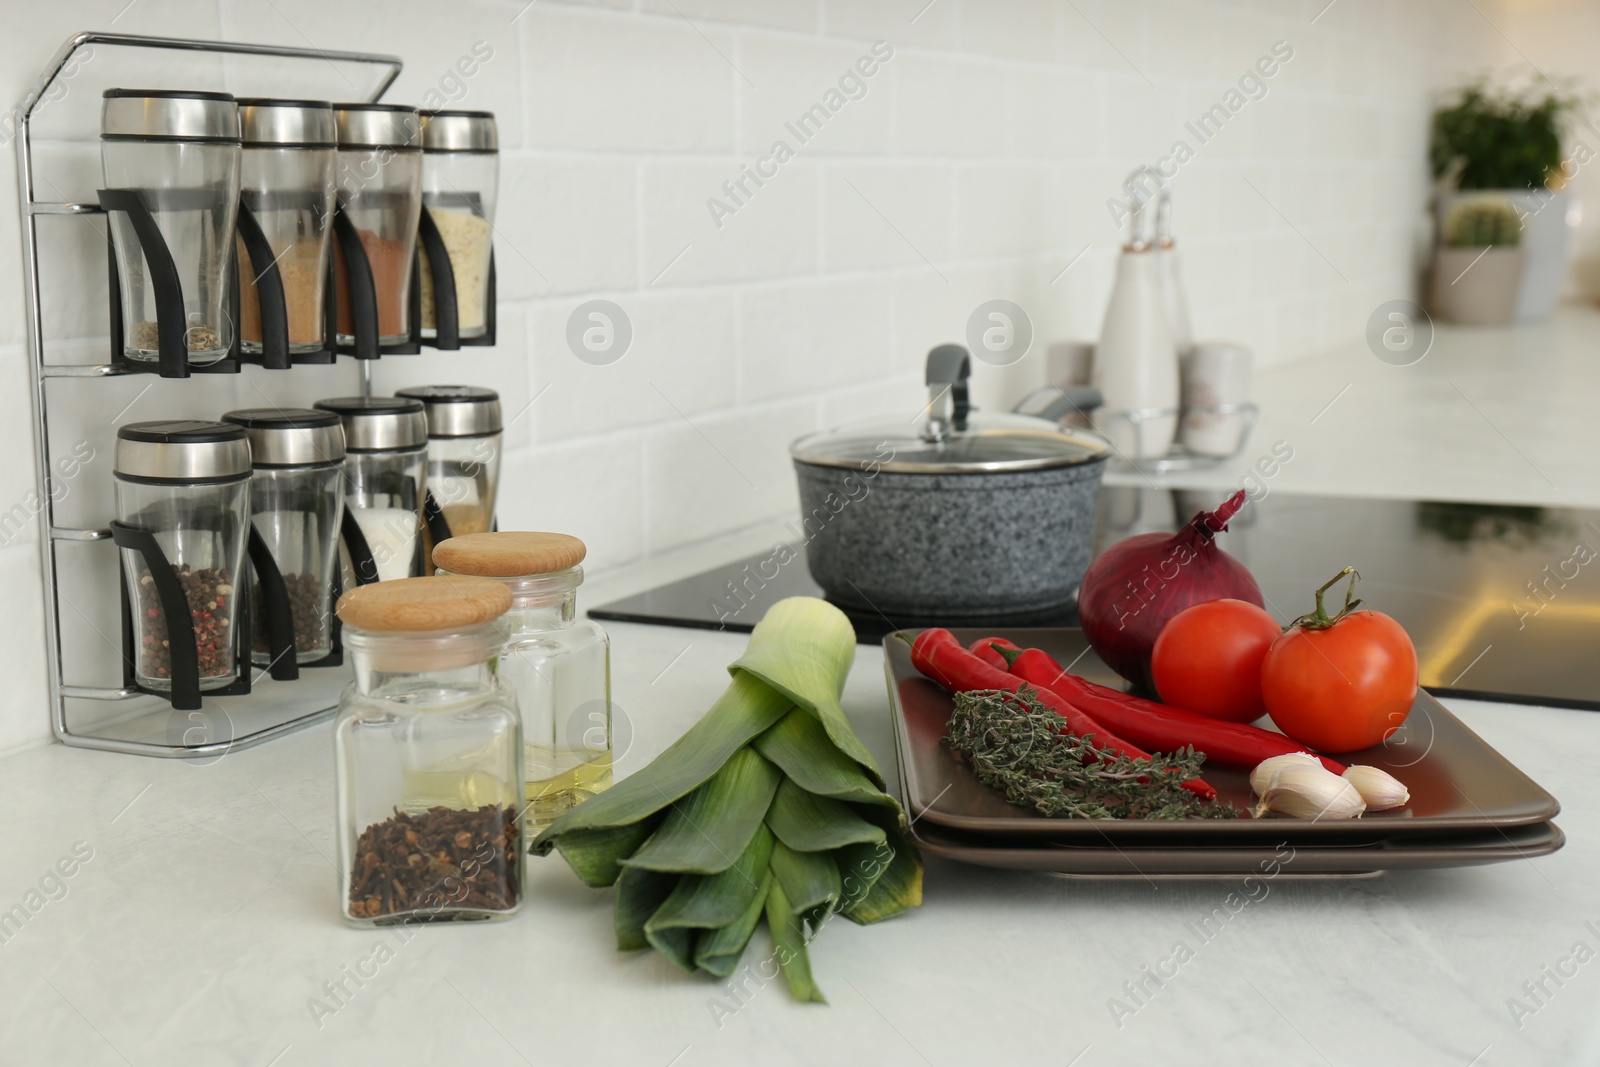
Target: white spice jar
[(460, 181)]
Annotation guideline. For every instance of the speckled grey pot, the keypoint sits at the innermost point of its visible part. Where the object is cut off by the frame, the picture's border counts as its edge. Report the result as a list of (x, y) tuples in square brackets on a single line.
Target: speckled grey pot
[(949, 545)]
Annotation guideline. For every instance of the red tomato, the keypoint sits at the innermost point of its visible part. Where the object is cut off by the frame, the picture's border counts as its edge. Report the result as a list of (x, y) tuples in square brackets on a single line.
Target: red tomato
[(1208, 657), (1342, 688)]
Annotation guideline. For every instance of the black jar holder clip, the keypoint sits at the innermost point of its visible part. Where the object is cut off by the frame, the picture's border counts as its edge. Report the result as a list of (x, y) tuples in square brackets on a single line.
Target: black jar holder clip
[(182, 654), (363, 296), (273, 302), (162, 272)]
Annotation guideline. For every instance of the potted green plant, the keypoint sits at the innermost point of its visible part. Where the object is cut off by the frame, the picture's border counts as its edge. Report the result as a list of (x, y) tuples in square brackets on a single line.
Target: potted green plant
[(1478, 270), (1510, 141)]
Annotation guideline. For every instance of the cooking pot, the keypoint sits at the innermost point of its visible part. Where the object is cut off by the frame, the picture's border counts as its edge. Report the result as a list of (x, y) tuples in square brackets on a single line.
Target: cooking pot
[(971, 515)]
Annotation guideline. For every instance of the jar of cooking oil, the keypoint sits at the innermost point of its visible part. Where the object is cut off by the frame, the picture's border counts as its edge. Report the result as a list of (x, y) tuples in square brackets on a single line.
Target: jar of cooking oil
[(557, 663)]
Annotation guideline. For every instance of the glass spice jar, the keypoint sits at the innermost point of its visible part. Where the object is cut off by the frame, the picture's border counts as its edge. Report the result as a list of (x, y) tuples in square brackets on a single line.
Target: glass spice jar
[(188, 484), (287, 183), (380, 190), (385, 480), (464, 435), (296, 503), (558, 664), (428, 751), (460, 180), (180, 152)]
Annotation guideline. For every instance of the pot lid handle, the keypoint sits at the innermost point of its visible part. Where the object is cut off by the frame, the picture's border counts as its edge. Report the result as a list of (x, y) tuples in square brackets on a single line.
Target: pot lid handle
[(948, 368)]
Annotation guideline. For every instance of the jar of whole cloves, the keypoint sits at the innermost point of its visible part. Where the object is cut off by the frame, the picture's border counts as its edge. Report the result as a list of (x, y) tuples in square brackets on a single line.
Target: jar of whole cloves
[(428, 748)]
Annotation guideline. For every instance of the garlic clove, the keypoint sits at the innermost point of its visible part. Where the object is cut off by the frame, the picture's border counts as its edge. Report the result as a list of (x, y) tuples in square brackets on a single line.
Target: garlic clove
[(1380, 789), (1307, 791), (1261, 777)]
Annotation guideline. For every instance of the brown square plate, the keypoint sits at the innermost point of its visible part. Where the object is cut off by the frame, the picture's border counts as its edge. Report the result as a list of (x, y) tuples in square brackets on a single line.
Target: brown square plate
[(1264, 860), (1458, 783)]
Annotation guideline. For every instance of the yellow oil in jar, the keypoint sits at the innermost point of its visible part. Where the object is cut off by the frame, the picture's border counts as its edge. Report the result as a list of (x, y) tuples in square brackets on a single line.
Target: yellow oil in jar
[(559, 781)]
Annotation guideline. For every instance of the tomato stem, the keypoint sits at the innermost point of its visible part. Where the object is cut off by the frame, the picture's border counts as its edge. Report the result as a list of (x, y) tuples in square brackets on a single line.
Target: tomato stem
[(1319, 620)]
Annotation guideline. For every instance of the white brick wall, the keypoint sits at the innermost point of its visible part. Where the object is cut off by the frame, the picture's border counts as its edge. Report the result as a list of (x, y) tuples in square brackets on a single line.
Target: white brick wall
[(977, 165)]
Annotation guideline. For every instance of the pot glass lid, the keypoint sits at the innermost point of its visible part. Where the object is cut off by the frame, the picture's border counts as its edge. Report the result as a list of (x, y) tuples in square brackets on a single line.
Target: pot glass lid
[(987, 443)]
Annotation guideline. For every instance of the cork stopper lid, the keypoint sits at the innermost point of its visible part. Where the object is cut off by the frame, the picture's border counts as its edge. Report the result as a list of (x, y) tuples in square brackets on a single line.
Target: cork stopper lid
[(509, 554), (413, 605)]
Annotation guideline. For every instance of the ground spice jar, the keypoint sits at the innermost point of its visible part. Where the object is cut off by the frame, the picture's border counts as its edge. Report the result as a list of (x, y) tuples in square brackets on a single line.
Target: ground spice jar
[(385, 481), (428, 755), (379, 188), (460, 181), (286, 182), (179, 151), (296, 502), (558, 664), (464, 435), (187, 483)]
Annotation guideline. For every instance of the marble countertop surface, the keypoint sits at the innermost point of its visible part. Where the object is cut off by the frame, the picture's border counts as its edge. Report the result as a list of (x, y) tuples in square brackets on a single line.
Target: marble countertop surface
[(199, 923)]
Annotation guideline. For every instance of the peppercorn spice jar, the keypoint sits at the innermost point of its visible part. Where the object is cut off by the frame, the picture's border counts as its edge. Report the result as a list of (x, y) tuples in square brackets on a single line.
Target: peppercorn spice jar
[(463, 458), (460, 180), (296, 503), (286, 185), (558, 664), (385, 475), (379, 188), (428, 750), (186, 485)]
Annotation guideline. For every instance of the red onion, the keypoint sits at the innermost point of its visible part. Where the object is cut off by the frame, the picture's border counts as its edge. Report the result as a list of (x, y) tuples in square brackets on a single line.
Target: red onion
[(1132, 588)]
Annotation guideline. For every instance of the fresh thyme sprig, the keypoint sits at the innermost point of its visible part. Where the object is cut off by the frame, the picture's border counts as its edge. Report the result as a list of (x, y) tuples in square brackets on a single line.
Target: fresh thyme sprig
[(1017, 746)]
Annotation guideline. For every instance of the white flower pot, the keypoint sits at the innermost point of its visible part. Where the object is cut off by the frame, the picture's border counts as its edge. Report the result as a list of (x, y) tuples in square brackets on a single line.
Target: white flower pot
[(1477, 286), (1544, 244)]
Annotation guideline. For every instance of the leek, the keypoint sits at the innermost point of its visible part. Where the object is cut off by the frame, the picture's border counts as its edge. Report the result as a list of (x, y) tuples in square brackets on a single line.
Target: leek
[(769, 806)]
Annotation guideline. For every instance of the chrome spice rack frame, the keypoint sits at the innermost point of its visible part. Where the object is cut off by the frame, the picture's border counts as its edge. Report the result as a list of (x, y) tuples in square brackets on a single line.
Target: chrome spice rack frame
[(151, 726)]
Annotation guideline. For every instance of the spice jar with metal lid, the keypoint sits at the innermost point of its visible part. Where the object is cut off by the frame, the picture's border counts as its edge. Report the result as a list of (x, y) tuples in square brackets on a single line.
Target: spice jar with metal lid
[(460, 180), (176, 154), (379, 189), (463, 458), (385, 481), (428, 748), (296, 503), (557, 663), (185, 484), (286, 185)]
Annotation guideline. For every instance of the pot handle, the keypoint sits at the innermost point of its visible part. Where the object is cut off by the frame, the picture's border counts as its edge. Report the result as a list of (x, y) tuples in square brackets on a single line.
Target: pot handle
[(1055, 402), (948, 368)]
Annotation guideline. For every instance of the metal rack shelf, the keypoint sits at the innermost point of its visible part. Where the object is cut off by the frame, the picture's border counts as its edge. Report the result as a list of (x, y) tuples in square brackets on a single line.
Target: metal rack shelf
[(145, 723)]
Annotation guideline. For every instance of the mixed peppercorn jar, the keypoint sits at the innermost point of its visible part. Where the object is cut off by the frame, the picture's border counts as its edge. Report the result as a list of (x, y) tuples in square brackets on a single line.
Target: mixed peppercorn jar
[(428, 747), (557, 663), (296, 503), (186, 485)]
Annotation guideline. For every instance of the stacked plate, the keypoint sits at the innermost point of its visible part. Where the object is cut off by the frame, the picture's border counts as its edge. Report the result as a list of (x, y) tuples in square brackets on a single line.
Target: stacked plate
[(1469, 805)]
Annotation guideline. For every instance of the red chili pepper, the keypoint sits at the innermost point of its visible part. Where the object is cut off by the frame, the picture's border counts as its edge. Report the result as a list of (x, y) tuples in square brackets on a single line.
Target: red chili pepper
[(1160, 726), (940, 656)]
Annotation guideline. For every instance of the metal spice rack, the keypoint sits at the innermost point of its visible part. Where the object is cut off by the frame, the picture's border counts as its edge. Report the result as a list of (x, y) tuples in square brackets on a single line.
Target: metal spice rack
[(98, 712)]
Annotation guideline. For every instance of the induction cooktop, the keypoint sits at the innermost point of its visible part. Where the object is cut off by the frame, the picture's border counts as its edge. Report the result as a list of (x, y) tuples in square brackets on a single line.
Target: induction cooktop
[(1502, 601)]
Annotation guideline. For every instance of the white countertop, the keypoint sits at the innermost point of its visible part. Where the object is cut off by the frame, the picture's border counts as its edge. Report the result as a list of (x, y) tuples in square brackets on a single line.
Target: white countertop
[(205, 924)]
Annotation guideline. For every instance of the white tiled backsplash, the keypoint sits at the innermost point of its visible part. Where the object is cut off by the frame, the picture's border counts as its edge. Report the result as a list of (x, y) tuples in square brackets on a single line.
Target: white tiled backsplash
[(974, 162)]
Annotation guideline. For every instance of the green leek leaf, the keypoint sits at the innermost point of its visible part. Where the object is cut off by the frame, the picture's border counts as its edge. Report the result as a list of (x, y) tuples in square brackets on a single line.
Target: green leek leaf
[(708, 830), (709, 902), (639, 894), (809, 879), (717, 951), (809, 823), (801, 748), (789, 943)]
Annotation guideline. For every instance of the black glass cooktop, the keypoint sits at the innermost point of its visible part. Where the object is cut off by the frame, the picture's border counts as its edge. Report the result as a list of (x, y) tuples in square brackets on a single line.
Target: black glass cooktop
[(1503, 602)]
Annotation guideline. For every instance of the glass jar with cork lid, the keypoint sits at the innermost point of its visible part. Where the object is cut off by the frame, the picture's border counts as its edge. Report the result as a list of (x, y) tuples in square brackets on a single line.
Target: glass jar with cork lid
[(558, 664), (463, 459), (428, 747)]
